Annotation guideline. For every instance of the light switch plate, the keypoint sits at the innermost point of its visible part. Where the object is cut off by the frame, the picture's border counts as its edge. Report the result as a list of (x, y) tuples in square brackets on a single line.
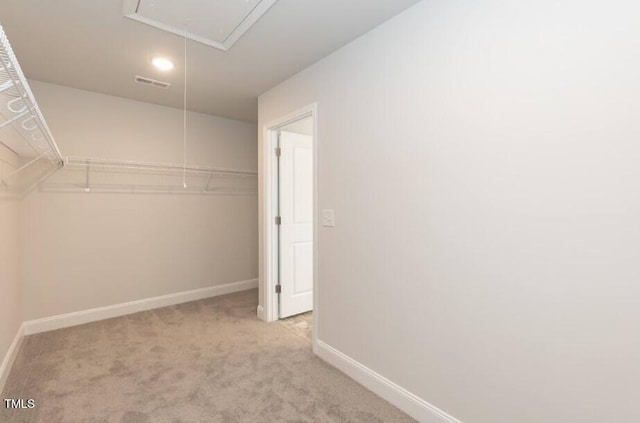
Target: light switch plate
[(328, 218)]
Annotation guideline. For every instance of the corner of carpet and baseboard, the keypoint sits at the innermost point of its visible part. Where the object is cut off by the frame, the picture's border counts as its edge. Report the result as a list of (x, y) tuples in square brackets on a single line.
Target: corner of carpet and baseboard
[(122, 309), (260, 313), (10, 356), (406, 401)]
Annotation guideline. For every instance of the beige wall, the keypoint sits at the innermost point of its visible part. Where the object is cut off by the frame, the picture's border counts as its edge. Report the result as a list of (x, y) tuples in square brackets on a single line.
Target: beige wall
[(483, 159), (10, 289), (90, 250)]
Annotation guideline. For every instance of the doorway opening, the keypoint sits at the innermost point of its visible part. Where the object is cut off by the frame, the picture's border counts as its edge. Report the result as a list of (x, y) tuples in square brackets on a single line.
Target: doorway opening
[(291, 229)]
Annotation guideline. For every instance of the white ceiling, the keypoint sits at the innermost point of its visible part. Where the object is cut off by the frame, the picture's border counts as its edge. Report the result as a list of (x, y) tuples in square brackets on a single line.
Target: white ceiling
[(91, 45)]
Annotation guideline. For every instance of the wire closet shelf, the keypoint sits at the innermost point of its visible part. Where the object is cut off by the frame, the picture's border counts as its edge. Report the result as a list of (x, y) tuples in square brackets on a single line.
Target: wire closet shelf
[(41, 165), (82, 174), (19, 109)]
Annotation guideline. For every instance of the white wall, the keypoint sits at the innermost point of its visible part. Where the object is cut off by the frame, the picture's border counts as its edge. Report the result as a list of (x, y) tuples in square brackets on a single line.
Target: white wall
[(483, 159), (89, 250), (10, 289)]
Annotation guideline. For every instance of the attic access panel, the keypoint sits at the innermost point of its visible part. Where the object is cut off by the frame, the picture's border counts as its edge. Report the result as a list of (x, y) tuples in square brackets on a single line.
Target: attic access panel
[(217, 23)]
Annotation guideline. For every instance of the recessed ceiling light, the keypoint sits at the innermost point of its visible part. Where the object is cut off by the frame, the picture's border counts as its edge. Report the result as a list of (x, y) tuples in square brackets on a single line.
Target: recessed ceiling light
[(162, 63)]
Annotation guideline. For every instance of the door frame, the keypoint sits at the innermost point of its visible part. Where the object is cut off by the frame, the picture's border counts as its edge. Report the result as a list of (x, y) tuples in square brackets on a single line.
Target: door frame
[(270, 207)]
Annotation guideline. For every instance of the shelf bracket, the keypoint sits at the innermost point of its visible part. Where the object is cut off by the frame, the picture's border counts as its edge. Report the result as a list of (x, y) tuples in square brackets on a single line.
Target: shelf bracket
[(206, 188), (86, 186)]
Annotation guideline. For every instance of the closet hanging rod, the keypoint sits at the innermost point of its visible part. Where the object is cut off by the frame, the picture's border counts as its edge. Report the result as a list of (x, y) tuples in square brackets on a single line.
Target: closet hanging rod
[(94, 163)]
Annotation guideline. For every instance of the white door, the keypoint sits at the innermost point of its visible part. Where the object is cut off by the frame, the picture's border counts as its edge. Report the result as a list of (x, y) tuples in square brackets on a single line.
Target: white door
[(296, 227)]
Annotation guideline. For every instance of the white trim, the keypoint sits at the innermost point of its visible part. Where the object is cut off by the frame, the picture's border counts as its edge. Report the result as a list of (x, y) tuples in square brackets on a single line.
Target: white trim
[(10, 357), (116, 310), (130, 10), (410, 403), (261, 313), (269, 187)]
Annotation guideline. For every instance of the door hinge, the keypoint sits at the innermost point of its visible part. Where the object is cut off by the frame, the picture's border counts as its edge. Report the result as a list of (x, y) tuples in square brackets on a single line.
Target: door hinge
[(278, 151), (278, 220), (278, 289)]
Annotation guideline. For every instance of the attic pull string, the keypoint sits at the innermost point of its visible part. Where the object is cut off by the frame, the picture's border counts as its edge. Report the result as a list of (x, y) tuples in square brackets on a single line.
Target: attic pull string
[(184, 117)]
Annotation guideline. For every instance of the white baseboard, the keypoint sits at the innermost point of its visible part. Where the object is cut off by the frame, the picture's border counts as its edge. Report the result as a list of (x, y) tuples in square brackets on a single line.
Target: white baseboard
[(260, 313), (411, 404), (116, 310), (10, 356)]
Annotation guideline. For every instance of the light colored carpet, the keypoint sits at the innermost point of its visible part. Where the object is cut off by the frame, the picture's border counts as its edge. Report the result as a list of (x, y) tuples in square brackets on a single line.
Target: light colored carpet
[(301, 325), (205, 361)]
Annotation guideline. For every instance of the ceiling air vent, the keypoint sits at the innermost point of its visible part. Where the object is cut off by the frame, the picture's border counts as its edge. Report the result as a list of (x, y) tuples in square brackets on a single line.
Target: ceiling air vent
[(153, 82)]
